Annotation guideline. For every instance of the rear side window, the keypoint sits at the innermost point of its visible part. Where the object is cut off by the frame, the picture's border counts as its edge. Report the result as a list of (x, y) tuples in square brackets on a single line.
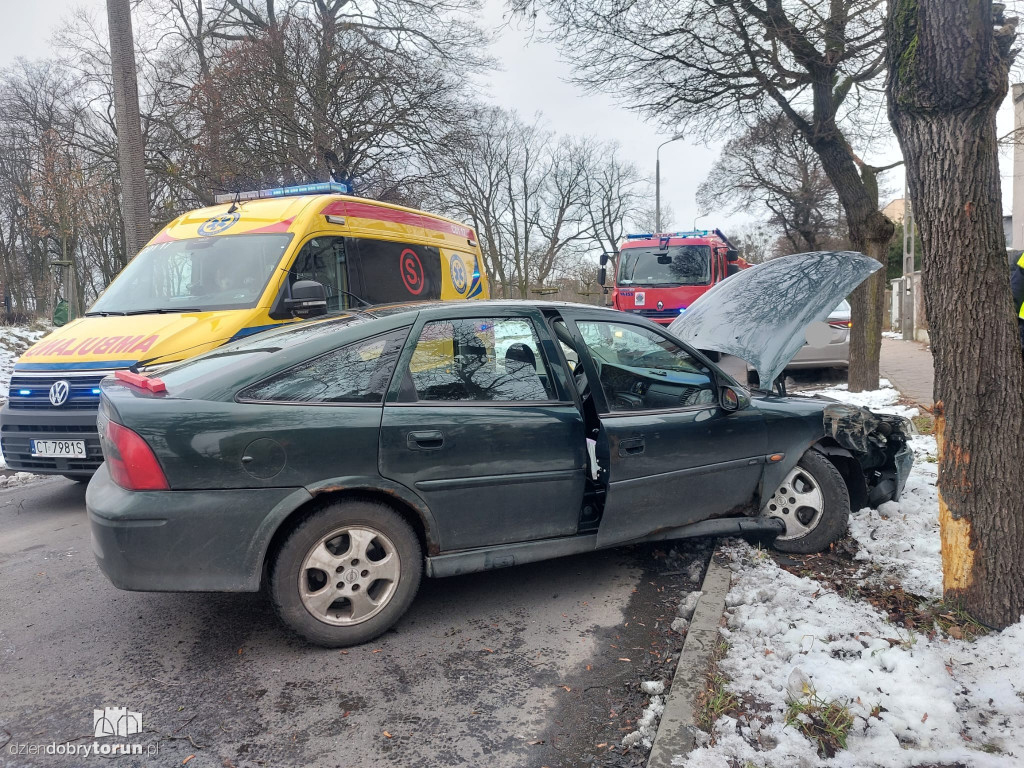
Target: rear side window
[(478, 359), (357, 373), (390, 272)]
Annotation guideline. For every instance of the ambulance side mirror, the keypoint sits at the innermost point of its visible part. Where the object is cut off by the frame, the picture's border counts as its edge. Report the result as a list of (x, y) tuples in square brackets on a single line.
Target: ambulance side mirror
[(308, 299), (303, 298)]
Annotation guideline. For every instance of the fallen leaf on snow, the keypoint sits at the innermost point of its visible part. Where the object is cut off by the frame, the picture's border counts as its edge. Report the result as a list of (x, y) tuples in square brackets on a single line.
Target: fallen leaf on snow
[(187, 759)]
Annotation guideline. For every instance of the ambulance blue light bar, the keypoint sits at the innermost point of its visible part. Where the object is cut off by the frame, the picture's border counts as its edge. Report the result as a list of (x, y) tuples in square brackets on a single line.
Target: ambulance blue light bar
[(322, 188), (647, 236)]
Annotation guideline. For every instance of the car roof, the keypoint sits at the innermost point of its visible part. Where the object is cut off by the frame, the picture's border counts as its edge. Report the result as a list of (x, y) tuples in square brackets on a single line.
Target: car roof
[(437, 305)]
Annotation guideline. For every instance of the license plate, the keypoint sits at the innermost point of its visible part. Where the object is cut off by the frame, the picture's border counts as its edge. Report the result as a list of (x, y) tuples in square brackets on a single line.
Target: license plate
[(55, 449)]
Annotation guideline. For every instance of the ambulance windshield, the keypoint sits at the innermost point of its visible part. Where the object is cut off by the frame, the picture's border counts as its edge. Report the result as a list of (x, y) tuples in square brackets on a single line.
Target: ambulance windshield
[(195, 275)]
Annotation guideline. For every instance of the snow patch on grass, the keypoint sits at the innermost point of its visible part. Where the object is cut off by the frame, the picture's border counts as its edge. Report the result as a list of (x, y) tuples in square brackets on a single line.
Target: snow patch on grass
[(901, 538), (885, 399), (15, 339), (915, 699)]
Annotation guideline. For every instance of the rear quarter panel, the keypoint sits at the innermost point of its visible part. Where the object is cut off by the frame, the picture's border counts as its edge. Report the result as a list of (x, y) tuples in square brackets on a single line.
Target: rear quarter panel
[(201, 444)]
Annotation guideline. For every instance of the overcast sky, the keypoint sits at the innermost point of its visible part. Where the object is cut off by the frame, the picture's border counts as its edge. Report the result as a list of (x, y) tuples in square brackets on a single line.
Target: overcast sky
[(533, 79)]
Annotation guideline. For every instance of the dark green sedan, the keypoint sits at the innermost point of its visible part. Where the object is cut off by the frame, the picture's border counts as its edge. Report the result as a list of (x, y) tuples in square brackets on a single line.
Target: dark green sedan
[(338, 460)]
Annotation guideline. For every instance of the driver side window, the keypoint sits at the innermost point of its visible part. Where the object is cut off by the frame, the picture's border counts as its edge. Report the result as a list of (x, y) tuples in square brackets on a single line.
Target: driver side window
[(323, 259), (640, 370)]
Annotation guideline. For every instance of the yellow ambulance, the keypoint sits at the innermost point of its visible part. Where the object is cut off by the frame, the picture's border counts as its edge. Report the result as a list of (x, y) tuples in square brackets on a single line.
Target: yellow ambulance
[(254, 261)]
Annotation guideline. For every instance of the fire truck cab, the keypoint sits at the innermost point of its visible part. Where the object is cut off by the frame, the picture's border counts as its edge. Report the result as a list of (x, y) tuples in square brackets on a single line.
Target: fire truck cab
[(660, 275)]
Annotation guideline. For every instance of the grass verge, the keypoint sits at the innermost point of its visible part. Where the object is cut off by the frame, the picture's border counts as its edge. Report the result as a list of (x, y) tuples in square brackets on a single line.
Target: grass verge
[(825, 722)]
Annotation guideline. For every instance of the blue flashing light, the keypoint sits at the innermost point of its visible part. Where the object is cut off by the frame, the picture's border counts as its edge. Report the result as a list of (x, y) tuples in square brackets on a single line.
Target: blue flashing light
[(321, 188), (24, 392), (647, 236), (96, 390)]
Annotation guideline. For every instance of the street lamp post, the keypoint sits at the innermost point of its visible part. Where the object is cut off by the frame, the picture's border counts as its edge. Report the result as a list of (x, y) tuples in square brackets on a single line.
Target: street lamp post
[(657, 180)]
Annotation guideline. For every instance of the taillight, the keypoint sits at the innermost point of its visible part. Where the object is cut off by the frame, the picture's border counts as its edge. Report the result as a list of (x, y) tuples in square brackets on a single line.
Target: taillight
[(840, 323), (131, 462)]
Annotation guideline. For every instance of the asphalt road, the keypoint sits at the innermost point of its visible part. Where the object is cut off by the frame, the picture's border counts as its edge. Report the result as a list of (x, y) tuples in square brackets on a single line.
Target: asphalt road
[(537, 665)]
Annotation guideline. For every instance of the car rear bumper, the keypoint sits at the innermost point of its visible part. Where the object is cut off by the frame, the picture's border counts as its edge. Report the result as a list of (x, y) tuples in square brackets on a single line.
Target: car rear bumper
[(18, 427), (185, 541)]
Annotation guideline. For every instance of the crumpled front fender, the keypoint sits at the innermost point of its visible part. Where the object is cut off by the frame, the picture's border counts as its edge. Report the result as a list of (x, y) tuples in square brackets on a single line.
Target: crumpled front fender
[(879, 442)]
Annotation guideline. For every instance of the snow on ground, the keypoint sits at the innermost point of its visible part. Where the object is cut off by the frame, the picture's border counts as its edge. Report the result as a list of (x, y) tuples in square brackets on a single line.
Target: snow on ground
[(901, 538), (885, 399), (932, 695), (18, 478), (14, 339), (915, 700)]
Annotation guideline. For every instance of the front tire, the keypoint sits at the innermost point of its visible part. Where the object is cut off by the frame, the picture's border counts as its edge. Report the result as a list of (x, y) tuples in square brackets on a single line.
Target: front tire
[(813, 502), (346, 574)]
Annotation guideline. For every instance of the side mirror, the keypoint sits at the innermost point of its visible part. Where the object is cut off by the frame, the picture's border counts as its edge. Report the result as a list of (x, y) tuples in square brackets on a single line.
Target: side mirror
[(731, 399), (604, 259), (602, 275), (308, 299), (732, 255), (732, 269)]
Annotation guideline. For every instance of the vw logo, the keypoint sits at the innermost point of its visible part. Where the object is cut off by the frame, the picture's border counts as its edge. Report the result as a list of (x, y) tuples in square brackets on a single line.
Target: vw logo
[(59, 392), (661, 305)]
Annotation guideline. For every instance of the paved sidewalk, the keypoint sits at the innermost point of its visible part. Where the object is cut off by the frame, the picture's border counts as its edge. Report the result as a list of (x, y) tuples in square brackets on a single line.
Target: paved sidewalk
[(908, 365)]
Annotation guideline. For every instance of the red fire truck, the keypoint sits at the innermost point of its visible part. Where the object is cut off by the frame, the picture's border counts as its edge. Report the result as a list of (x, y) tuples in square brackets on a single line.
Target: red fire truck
[(660, 275)]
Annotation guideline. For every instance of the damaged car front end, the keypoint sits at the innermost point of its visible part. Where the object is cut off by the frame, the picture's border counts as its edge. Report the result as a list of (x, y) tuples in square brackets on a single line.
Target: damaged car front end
[(764, 315), (880, 444)]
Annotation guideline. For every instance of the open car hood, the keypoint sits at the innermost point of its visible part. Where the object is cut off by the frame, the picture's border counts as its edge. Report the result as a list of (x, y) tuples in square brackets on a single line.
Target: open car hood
[(761, 314)]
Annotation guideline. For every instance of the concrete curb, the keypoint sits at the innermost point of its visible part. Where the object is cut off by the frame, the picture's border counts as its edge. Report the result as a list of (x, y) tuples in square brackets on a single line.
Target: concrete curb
[(677, 730)]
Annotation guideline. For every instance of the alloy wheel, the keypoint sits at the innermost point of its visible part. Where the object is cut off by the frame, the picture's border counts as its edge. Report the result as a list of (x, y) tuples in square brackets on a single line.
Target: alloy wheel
[(349, 576), (798, 503)]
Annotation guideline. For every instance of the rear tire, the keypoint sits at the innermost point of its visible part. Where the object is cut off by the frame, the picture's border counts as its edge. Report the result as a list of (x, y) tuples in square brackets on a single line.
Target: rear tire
[(813, 502), (346, 574)]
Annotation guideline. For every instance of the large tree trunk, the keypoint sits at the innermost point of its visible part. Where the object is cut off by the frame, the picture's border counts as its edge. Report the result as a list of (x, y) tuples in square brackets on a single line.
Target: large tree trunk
[(948, 76), (130, 151), (870, 233)]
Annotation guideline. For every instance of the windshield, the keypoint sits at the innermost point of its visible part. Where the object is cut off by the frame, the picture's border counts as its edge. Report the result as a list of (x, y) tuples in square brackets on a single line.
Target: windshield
[(678, 265), (195, 275)]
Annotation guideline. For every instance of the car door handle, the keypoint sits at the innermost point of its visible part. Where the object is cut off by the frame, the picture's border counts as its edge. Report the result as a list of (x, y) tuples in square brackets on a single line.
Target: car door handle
[(429, 440), (631, 447)]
